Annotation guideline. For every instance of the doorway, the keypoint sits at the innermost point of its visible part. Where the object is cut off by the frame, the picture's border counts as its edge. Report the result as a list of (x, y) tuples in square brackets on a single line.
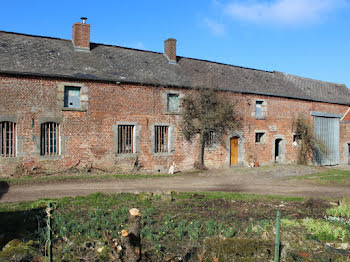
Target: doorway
[(234, 151), (278, 150), (349, 154)]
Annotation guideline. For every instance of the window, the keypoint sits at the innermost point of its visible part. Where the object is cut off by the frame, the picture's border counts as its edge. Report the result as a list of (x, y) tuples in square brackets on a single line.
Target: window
[(72, 97), (161, 139), (173, 103), (297, 139), (211, 139), (49, 144), (258, 109), (7, 139), (125, 139), (259, 137)]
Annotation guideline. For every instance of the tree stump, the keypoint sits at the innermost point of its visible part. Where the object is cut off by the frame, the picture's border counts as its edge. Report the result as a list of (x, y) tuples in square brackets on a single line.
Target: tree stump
[(130, 239), (129, 249)]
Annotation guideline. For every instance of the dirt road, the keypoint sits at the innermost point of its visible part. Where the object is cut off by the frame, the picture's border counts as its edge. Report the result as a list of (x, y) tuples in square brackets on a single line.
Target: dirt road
[(267, 180)]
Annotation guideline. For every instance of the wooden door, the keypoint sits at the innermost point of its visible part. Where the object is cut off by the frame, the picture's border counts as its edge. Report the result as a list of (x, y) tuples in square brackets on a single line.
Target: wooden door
[(234, 151)]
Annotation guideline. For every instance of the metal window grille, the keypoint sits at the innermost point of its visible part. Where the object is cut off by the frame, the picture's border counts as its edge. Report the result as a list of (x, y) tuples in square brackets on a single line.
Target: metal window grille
[(161, 139), (7, 139), (49, 139), (125, 139)]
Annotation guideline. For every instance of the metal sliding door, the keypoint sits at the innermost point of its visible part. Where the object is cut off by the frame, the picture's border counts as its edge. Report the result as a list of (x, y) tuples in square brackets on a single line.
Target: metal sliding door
[(326, 130)]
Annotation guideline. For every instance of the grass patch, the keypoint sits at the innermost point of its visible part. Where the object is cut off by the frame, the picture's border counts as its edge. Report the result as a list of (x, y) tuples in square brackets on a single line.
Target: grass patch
[(176, 224), (329, 177), (87, 177)]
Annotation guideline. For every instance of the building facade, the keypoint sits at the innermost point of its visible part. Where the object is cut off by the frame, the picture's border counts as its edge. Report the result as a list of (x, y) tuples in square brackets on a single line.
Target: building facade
[(74, 103)]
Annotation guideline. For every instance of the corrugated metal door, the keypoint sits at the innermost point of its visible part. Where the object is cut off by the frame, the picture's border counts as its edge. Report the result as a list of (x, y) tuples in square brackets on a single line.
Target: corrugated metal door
[(326, 130)]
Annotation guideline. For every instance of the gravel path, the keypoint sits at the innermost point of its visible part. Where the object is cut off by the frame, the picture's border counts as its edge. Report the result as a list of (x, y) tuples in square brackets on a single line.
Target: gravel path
[(265, 180)]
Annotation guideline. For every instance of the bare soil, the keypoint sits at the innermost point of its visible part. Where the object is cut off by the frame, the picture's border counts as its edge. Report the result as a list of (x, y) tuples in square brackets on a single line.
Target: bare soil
[(273, 180)]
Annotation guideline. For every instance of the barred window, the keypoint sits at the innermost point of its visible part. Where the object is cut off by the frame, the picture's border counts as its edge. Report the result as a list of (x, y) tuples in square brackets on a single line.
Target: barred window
[(211, 139), (7, 139), (49, 144), (125, 139), (161, 139)]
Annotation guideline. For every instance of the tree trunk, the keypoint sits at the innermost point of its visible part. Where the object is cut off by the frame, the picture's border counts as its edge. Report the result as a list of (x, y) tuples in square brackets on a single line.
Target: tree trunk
[(201, 151)]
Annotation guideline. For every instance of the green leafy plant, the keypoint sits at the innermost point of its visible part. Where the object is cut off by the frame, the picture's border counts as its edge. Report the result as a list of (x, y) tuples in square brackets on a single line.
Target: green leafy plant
[(340, 211)]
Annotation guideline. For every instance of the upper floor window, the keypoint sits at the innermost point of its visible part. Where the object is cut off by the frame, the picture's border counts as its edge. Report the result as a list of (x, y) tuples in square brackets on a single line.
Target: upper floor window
[(49, 143), (259, 109), (161, 143), (7, 139), (173, 103), (72, 97), (125, 139)]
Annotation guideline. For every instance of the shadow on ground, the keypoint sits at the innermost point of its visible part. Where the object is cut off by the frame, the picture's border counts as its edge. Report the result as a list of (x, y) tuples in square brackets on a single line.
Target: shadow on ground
[(22, 226), (4, 188)]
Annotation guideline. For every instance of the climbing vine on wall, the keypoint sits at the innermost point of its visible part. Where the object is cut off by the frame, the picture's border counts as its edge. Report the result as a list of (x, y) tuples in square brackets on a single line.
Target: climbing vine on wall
[(308, 142)]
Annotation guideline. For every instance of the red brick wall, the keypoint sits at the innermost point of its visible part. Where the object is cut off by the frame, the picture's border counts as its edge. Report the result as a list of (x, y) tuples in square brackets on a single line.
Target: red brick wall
[(90, 136), (347, 116), (345, 142)]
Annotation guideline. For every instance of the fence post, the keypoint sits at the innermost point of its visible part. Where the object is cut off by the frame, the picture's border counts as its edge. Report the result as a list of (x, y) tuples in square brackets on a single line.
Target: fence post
[(277, 242), (49, 233)]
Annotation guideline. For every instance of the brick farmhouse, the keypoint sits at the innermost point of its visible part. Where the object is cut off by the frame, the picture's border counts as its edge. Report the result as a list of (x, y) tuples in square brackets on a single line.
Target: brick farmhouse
[(74, 103)]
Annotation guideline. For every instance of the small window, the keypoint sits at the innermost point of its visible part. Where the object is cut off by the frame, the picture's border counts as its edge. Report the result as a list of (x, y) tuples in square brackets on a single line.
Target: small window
[(72, 97), (297, 139), (258, 109), (161, 139), (125, 139), (49, 144), (173, 103), (7, 139), (211, 139), (259, 137)]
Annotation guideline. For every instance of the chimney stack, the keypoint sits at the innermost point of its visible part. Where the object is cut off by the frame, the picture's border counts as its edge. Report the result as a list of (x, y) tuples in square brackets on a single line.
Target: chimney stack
[(81, 35), (170, 49)]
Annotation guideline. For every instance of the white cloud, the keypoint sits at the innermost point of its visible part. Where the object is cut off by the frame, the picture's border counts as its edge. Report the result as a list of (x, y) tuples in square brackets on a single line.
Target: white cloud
[(215, 27), (283, 11)]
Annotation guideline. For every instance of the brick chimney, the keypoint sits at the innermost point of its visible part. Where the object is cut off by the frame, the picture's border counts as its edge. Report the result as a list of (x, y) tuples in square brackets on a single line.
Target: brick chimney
[(81, 35), (170, 49)]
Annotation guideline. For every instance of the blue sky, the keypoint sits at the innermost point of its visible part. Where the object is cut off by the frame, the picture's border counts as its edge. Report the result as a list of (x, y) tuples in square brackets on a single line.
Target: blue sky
[(309, 38)]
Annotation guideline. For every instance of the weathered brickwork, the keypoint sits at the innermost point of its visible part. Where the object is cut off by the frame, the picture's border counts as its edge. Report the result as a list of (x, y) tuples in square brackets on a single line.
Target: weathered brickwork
[(89, 137), (345, 143)]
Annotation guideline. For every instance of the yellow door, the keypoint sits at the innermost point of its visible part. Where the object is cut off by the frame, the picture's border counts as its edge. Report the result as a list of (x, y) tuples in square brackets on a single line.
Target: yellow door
[(234, 151)]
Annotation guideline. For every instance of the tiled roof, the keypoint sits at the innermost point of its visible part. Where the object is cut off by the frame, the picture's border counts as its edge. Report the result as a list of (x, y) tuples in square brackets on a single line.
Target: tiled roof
[(36, 55)]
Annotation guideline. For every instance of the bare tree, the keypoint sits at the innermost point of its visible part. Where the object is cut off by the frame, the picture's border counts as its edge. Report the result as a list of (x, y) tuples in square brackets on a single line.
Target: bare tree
[(206, 113)]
